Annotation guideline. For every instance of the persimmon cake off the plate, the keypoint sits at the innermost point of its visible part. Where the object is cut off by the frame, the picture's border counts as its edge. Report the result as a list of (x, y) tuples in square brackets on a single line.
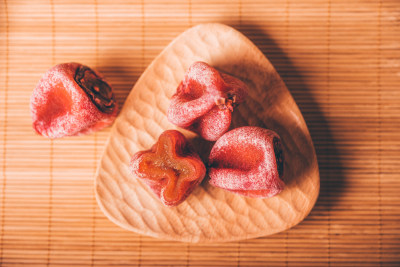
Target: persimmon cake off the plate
[(72, 99)]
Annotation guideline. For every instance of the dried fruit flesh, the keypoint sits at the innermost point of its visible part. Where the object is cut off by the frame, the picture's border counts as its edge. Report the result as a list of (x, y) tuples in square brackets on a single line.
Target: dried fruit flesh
[(204, 101), (248, 161), (171, 168), (72, 99)]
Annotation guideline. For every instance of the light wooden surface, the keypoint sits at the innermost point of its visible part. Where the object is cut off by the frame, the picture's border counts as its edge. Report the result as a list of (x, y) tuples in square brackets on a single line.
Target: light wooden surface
[(210, 214), (340, 61)]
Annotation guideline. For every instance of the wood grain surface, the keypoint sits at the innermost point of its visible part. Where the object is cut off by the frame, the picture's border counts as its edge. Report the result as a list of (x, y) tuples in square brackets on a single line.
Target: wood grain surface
[(340, 61), (210, 214)]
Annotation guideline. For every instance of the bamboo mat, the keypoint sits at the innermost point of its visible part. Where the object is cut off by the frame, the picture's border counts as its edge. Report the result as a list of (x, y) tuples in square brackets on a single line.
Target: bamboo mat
[(339, 59)]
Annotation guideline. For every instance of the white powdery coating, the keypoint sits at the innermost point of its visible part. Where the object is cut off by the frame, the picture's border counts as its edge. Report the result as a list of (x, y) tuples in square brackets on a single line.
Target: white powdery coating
[(184, 113), (204, 74), (265, 176), (214, 123), (135, 161), (83, 118)]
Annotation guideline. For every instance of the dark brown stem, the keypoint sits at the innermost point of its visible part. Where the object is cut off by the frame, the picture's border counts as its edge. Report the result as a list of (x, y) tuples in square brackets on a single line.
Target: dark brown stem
[(99, 91), (278, 155), (228, 102)]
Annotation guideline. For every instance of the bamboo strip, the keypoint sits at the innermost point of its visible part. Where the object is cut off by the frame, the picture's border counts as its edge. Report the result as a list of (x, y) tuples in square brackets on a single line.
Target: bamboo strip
[(329, 54)]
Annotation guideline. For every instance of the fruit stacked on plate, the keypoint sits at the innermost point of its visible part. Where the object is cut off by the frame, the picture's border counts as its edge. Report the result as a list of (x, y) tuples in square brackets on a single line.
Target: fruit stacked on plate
[(247, 161)]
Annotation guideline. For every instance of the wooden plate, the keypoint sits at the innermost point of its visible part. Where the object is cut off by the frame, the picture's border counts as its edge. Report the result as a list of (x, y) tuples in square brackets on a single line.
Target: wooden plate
[(209, 214)]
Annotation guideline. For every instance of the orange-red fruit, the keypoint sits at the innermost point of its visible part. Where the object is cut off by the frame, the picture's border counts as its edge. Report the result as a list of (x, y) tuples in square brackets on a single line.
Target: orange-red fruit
[(248, 161), (171, 168), (72, 99), (204, 101)]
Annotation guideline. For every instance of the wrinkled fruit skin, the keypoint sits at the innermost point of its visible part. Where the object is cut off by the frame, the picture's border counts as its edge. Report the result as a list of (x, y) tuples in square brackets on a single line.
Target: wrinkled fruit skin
[(72, 99), (204, 101), (248, 161), (171, 168)]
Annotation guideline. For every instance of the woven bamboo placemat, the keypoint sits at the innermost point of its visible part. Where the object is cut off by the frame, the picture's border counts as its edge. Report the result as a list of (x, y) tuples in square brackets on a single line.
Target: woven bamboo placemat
[(339, 59)]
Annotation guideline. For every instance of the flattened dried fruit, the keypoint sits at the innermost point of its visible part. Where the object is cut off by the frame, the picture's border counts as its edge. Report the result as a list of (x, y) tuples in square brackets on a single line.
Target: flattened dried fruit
[(72, 99), (204, 101), (171, 168), (248, 161)]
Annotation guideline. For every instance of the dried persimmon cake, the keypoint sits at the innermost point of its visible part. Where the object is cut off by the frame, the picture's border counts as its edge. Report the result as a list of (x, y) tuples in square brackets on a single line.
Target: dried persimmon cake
[(72, 99), (171, 168)]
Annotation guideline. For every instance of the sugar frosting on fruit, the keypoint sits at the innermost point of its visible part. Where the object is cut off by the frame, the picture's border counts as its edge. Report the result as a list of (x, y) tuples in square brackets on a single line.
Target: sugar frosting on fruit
[(61, 107), (205, 95), (248, 161)]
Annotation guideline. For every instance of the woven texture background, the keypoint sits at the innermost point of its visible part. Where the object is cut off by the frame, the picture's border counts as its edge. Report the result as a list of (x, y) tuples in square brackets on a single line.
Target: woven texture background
[(339, 59)]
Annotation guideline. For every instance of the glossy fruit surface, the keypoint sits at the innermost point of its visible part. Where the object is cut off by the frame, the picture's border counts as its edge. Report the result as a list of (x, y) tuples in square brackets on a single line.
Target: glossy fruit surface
[(171, 168)]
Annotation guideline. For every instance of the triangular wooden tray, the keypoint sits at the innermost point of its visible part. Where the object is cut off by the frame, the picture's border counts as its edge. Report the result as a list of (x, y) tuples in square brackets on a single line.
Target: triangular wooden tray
[(209, 214)]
